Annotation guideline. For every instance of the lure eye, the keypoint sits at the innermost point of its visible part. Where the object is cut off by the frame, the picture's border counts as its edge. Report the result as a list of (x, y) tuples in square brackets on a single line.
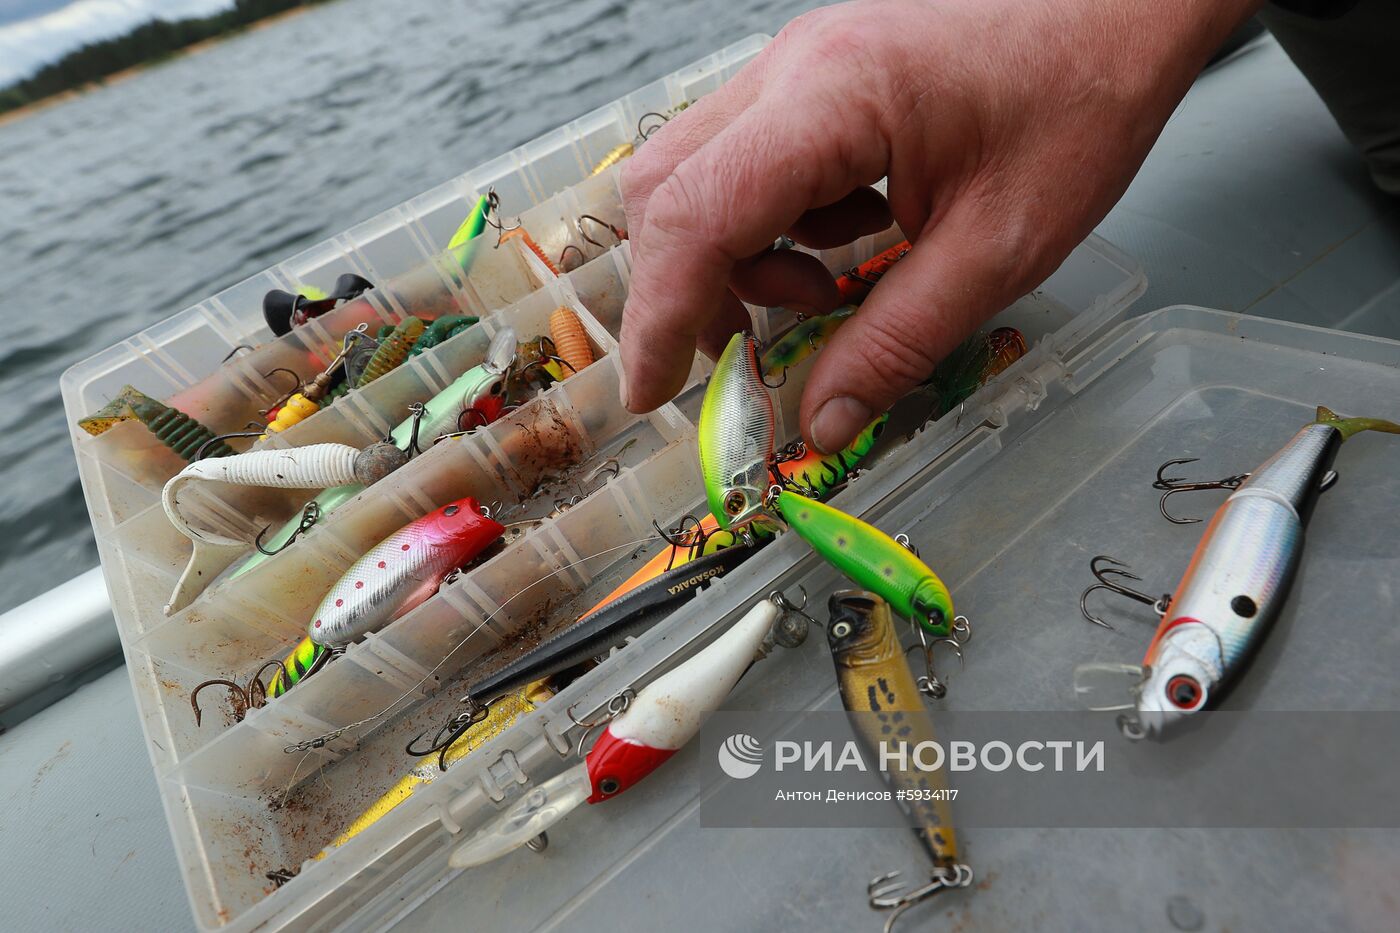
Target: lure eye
[(451, 510), (1184, 692), (735, 502), (841, 629), (1244, 607), (608, 786)]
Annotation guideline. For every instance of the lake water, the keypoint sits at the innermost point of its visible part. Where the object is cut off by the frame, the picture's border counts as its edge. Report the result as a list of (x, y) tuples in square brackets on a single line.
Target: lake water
[(134, 201)]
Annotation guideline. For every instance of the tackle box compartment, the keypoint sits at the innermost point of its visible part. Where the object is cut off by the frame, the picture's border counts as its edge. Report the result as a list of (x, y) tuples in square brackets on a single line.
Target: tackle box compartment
[(1007, 498)]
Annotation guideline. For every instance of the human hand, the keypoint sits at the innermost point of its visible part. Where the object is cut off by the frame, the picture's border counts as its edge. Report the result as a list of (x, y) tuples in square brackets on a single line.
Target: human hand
[(1006, 128)]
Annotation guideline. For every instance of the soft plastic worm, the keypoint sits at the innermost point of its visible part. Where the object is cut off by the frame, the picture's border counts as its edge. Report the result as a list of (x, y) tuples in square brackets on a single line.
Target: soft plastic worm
[(523, 234), (393, 351), (443, 329), (173, 428), (570, 339)]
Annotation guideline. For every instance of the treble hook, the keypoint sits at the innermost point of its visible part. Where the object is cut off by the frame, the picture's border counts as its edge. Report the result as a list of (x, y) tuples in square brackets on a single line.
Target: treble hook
[(204, 448), (309, 517), (929, 683), (1158, 604), (417, 410), (883, 890), (252, 695), (493, 208), (240, 698), (1173, 485), (616, 706)]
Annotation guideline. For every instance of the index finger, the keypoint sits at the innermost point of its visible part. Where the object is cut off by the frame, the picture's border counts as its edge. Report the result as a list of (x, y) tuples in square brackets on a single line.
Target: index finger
[(729, 200)]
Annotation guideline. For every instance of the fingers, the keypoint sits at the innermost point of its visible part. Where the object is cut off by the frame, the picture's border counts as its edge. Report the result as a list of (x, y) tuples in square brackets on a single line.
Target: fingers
[(862, 212), (953, 280), (788, 279), (683, 135), (732, 318), (729, 200)]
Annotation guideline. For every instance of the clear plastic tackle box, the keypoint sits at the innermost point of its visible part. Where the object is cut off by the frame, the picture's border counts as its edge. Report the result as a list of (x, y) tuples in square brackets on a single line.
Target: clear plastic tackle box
[(1006, 498)]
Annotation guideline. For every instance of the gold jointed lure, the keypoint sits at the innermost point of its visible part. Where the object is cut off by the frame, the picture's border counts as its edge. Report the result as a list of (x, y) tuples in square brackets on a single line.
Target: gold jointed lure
[(883, 701), (614, 155)]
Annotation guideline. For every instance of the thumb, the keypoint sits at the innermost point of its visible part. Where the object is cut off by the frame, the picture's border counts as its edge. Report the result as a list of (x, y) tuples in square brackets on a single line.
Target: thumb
[(953, 280)]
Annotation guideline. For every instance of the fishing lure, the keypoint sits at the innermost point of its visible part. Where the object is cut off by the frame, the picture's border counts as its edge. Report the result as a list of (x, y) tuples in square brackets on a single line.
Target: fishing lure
[(592, 635), (882, 700), (818, 474), (392, 351), (736, 435), (502, 716), (442, 330), (402, 571), (972, 364), (471, 228), (283, 310), (803, 340), (523, 235), (570, 339), (440, 416), (872, 559), (614, 155), (175, 429), (856, 284), (304, 660), (645, 731), (1234, 586)]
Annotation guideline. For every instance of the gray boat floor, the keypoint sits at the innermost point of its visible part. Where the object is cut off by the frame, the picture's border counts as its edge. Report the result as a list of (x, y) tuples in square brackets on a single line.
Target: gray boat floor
[(1252, 202)]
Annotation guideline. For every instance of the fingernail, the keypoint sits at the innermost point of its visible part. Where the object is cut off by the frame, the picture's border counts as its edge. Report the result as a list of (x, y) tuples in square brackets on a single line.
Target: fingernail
[(837, 422), (622, 388)]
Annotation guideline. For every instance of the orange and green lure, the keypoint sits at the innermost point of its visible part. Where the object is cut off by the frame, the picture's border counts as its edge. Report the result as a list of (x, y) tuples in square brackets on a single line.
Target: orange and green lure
[(303, 661)]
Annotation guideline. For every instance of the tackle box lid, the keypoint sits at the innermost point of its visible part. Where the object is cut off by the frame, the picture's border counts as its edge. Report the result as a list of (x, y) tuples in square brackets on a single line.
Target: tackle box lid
[(1008, 503)]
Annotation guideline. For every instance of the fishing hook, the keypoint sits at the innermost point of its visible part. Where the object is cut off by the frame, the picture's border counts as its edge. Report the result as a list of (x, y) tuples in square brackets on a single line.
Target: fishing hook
[(646, 134), (883, 890), (493, 208), (252, 695), (578, 225), (1158, 604), (615, 707), (417, 410), (1174, 484), (582, 258), (203, 448), (241, 346), (309, 517), (240, 697), (929, 683), (281, 876), (452, 730)]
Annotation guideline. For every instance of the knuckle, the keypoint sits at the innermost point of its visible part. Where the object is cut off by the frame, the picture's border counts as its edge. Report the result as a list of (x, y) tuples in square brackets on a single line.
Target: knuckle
[(890, 349), (676, 211)]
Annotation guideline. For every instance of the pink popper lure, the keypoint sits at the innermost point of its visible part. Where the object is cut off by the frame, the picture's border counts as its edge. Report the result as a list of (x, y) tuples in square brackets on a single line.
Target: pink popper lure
[(402, 571), (662, 717)]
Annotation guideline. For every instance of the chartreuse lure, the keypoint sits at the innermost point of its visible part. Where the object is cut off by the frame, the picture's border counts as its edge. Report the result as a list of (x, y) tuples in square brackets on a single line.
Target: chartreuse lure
[(304, 660), (872, 559)]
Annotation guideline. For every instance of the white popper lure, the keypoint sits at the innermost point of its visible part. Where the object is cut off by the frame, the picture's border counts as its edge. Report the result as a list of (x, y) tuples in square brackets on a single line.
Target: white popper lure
[(662, 717)]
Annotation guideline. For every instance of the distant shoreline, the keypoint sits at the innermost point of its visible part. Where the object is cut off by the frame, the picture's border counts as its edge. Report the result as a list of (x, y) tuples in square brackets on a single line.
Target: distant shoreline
[(53, 100)]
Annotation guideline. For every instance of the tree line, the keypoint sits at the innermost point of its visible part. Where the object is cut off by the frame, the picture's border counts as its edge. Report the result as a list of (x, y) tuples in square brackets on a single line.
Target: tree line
[(150, 42)]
